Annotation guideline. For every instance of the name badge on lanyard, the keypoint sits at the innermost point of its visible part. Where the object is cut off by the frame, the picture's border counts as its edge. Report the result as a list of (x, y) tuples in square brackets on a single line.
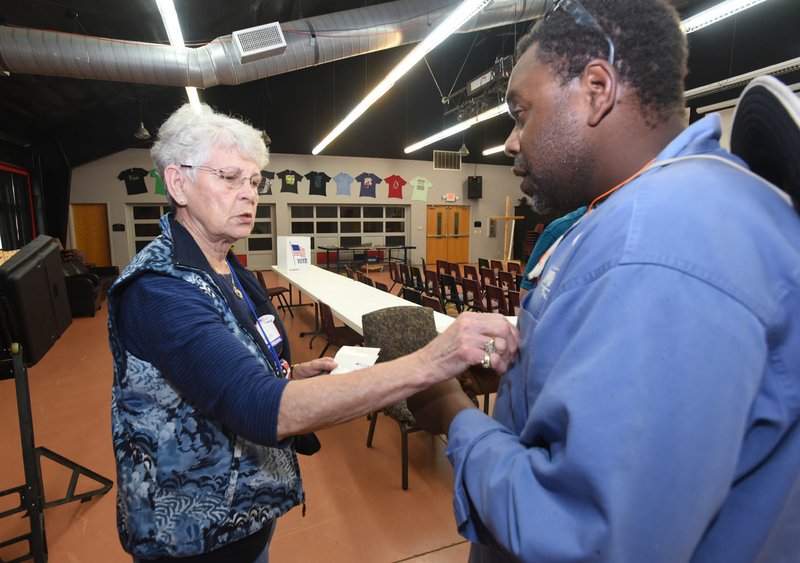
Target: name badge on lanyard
[(269, 330)]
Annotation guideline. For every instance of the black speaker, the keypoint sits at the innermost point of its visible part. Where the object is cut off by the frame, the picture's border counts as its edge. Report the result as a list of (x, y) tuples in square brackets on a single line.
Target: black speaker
[(475, 187)]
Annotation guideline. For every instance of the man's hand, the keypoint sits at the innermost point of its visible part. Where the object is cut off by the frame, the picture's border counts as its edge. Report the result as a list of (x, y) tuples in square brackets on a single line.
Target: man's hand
[(436, 407), (479, 381)]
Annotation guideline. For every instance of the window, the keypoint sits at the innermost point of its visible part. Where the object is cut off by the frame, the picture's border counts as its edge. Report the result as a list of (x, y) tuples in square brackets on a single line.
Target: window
[(261, 239), (146, 223), (146, 226), (16, 209), (351, 225)]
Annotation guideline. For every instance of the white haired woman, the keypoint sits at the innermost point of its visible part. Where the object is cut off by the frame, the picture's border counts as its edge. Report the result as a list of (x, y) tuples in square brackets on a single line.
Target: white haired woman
[(203, 413)]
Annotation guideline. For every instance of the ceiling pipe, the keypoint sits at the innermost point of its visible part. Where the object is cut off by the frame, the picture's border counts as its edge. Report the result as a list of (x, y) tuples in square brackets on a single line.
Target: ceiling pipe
[(310, 41)]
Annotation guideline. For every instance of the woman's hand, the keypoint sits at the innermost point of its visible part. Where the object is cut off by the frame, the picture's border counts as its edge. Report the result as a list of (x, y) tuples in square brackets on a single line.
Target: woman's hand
[(474, 339), (314, 367)]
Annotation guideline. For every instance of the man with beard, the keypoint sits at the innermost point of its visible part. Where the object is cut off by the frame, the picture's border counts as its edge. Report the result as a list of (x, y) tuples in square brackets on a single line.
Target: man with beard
[(653, 413)]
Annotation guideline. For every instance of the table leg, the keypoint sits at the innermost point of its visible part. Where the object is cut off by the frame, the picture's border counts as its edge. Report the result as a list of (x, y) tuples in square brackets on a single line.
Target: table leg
[(299, 299), (316, 332)]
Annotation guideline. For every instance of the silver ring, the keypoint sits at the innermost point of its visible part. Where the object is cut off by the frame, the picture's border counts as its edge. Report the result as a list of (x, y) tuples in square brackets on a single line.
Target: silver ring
[(489, 347), (487, 361)]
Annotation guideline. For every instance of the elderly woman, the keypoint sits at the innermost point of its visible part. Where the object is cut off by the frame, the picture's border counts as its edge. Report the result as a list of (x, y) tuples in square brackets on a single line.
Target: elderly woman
[(204, 409)]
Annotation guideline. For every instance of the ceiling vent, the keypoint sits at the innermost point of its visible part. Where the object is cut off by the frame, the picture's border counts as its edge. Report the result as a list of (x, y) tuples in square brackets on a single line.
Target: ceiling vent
[(259, 42), (446, 160)]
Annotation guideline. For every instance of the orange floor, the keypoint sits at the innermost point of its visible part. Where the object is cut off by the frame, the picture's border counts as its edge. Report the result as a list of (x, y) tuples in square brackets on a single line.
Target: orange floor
[(356, 510)]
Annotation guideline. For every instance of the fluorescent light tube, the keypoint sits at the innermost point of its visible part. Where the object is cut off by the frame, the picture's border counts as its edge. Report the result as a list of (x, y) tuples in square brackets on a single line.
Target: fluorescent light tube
[(451, 23), (716, 13), (170, 18), (493, 150), (466, 124)]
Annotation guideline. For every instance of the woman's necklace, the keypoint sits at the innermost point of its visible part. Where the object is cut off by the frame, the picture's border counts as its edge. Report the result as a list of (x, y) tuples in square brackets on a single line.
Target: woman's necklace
[(236, 291)]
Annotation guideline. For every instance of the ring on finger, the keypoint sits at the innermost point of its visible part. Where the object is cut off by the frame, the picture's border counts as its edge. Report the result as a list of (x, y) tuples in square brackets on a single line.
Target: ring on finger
[(489, 347), (487, 360)]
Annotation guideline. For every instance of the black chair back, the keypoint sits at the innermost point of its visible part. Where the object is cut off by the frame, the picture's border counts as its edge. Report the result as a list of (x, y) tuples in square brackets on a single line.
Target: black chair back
[(416, 279), (405, 275), (471, 272), (432, 302), (487, 277), (447, 284), (432, 284), (411, 294), (471, 295), (496, 299)]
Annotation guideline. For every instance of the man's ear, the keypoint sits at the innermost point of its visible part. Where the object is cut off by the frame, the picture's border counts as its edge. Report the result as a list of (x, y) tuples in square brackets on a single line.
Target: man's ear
[(176, 184), (600, 82)]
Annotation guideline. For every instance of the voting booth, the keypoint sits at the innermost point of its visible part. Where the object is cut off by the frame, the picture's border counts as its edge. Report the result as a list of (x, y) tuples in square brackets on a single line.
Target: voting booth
[(294, 253)]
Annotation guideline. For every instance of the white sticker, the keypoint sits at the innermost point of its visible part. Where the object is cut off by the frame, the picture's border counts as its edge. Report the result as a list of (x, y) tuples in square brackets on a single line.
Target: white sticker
[(267, 323)]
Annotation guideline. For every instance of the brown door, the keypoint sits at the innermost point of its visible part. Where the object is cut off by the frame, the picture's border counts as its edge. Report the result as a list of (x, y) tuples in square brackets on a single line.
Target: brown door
[(447, 233), (91, 232)]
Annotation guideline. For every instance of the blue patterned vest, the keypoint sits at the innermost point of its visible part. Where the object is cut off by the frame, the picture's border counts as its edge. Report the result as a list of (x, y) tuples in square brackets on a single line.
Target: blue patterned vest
[(185, 484)]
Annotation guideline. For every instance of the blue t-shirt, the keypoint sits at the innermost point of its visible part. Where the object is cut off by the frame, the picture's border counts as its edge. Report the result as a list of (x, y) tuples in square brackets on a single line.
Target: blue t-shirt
[(343, 181), (369, 182)]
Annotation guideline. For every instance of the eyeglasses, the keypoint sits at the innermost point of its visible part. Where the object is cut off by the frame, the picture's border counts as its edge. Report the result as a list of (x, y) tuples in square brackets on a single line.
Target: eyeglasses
[(234, 177), (582, 17)]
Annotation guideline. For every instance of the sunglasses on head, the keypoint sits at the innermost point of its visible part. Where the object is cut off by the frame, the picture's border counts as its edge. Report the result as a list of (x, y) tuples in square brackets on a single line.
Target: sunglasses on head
[(581, 16)]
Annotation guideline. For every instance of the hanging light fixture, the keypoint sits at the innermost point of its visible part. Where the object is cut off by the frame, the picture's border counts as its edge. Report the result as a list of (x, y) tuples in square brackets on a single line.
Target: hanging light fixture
[(141, 132), (449, 25), (463, 151)]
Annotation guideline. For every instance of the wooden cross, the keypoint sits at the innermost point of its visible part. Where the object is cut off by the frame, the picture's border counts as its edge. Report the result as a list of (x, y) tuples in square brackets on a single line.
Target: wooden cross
[(509, 230)]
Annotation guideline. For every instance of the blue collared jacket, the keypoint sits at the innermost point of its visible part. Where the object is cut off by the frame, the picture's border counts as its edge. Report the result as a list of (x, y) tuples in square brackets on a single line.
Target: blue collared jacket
[(653, 413)]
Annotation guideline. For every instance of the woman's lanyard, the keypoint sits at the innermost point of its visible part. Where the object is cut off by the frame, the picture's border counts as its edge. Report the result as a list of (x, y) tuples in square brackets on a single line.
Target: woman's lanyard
[(539, 268), (282, 372)]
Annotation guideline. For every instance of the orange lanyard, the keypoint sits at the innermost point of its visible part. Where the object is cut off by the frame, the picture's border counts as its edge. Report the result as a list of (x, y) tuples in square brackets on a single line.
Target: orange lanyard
[(618, 186)]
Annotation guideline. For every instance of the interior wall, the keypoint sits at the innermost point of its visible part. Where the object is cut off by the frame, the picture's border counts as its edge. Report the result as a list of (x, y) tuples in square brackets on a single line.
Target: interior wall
[(96, 182)]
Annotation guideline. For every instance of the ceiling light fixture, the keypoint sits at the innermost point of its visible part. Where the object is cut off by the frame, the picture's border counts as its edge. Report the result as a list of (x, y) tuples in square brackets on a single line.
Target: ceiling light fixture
[(493, 150), (716, 13), (170, 18), (466, 124), (463, 151), (141, 133), (465, 11)]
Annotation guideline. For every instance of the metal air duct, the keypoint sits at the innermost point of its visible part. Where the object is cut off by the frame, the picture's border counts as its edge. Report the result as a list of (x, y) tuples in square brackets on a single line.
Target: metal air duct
[(309, 42)]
